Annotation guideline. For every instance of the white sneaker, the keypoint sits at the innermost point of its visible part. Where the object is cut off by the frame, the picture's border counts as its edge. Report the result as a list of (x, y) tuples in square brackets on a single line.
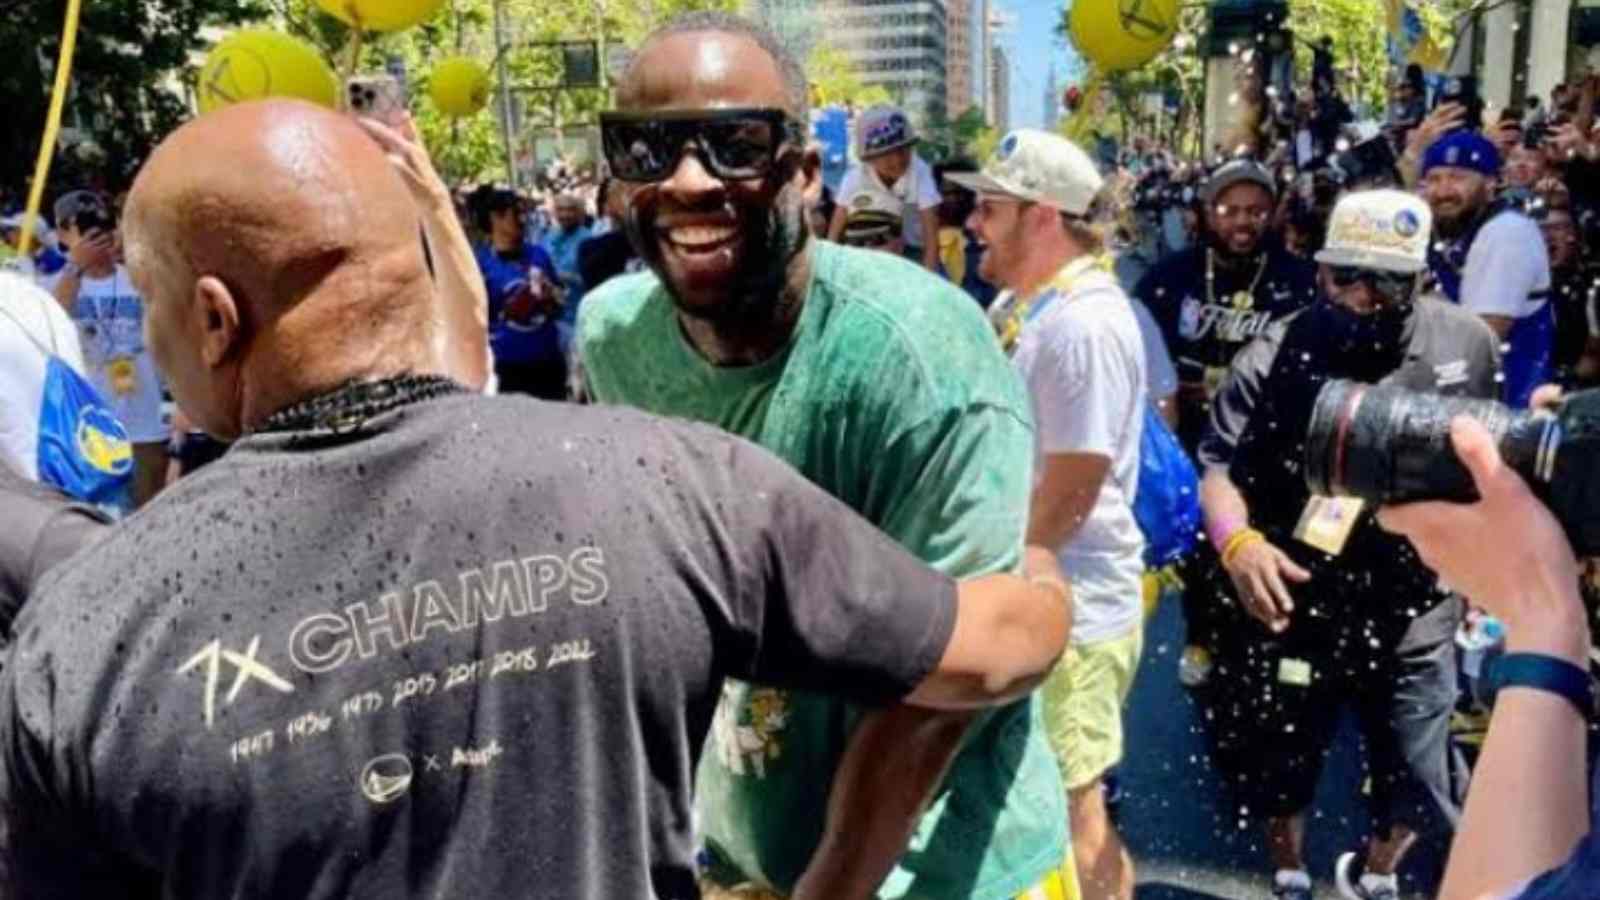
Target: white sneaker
[(1292, 884), (1356, 884)]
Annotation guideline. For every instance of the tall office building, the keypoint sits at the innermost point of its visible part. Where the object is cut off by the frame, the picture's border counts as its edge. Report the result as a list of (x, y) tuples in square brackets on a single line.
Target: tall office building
[(1052, 100), (1000, 75), (902, 45), (959, 88)]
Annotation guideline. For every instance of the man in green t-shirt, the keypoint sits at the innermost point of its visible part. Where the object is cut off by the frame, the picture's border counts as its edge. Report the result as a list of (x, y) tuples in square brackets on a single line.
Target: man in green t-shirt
[(883, 385)]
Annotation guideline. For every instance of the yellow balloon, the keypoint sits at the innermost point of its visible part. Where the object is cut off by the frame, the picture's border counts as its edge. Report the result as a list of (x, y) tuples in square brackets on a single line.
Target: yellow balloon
[(381, 15), (459, 86), (257, 63), (1117, 35)]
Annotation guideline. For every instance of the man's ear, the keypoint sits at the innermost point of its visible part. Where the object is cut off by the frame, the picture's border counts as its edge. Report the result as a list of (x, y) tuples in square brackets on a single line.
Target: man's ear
[(808, 173), (216, 320)]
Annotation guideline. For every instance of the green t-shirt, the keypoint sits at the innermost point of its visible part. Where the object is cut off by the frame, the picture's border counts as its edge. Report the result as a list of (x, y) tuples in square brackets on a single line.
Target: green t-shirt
[(894, 396)]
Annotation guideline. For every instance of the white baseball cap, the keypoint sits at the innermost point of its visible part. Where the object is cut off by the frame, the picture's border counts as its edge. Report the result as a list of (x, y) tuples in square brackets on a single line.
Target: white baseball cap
[(42, 235), (1384, 229), (1041, 167), (872, 214)]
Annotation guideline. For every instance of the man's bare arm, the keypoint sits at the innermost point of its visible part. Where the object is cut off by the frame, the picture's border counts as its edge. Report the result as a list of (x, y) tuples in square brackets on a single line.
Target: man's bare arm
[(1527, 808), (1065, 496), (930, 238), (463, 311), (873, 809), (1500, 325)]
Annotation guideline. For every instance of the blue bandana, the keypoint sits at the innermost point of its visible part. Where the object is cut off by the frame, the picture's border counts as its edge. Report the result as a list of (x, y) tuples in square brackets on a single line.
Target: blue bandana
[(1463, 150)]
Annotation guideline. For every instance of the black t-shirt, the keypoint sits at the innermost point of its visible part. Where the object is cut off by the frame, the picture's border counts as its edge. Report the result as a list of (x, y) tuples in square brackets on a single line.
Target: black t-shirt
[(1206, 327), (471, 653), (42, 528), (1258, 429), (1574, 292)]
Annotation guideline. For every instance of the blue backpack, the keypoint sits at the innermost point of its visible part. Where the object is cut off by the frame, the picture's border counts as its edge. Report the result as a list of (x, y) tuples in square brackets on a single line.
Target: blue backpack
[(84, 451), (1166, 504), (1166, 501)]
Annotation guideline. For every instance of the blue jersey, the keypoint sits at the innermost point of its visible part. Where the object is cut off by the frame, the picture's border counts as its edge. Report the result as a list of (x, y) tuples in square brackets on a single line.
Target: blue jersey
[(517, 342)]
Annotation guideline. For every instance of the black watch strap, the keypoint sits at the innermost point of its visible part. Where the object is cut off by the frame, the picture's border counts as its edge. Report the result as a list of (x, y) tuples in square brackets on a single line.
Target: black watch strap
[(1544, 673)]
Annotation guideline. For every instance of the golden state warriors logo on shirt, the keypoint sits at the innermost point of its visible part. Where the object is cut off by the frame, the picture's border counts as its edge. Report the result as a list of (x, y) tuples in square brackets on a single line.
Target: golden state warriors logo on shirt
[(103, 442)]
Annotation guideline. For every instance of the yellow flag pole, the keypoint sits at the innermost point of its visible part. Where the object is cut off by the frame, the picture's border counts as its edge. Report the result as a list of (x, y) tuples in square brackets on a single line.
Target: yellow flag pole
[(52, 127)]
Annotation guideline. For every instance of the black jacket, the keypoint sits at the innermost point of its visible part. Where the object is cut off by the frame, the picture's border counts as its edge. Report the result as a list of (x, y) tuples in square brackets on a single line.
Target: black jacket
[(1260, 416), (42, 528)]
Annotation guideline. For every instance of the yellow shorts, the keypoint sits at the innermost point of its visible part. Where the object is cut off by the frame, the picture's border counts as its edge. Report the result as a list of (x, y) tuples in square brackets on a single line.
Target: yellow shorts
[(1083, 700), (1061, 884)]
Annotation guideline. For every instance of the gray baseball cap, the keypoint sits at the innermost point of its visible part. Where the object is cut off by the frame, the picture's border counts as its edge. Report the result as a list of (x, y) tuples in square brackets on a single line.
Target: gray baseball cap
[(1239, 171), (72, 204)]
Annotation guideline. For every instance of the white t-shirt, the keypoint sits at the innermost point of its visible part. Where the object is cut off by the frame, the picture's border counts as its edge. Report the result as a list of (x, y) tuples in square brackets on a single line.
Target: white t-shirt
[(916, 189), (1082, 357), (1161, 374), (31, 323), (110, 319), (1507, 262)]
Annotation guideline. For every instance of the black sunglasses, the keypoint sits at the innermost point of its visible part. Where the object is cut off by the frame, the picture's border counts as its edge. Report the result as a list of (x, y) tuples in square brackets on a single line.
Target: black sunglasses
[(735, 144), (1393, 285)]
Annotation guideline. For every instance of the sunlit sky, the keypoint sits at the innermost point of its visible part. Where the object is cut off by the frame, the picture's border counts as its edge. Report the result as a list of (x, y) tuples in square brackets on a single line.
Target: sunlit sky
[(1033, 45)]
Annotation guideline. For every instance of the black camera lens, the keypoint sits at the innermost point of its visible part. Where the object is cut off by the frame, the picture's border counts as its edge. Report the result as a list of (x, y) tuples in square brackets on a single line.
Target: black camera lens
[(1389, 445)]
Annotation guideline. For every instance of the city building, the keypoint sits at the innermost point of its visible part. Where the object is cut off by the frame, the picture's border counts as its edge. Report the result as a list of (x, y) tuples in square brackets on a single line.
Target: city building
[(1052, 100), (986, 29), (902, 45), (1000, 79), (960, 91)]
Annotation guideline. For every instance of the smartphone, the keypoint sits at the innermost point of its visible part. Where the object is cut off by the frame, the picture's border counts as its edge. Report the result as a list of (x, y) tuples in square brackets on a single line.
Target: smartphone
[(381, 97), (1463, 89)]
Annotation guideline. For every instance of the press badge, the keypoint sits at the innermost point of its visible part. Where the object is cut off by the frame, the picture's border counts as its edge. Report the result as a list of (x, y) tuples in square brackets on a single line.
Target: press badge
[(1327, 522), (1294, 671)]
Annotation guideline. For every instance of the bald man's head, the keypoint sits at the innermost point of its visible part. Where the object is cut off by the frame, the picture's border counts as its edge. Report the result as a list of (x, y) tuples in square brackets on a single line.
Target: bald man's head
[(278, 251)]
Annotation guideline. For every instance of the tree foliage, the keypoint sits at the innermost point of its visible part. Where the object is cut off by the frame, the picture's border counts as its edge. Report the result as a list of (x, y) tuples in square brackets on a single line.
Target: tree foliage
[(135, 58), (1359, 32), (836, 81), (472, 149), (122, 91)]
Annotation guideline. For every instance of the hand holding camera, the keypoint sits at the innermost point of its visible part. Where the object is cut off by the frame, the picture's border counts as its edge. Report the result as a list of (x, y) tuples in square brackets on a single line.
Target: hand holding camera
[(1500, 551), (1389, 446)]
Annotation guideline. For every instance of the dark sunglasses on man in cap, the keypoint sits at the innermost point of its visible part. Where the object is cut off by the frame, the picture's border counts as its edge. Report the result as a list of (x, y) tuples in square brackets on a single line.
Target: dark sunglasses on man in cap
[(734, 144), (1395, 287)]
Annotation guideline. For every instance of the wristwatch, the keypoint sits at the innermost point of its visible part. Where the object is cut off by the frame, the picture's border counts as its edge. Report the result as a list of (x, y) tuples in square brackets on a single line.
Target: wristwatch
[(72, 270), (1543, 673)]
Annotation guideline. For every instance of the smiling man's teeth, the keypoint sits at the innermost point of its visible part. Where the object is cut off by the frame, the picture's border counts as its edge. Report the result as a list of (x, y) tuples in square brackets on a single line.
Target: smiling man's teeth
[(700, 236)]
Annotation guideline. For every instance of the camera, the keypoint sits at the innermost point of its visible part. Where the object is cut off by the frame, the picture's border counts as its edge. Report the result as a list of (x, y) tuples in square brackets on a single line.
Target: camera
[(92, 220), (1388, 445), (1371, 159)]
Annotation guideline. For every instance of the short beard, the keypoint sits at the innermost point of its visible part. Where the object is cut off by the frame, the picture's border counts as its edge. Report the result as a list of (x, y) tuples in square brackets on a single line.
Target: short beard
[(758, 289), (1225, 255)]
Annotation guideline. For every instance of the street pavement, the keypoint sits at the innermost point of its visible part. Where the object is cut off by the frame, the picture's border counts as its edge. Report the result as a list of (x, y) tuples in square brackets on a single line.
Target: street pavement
[(1189, 840)]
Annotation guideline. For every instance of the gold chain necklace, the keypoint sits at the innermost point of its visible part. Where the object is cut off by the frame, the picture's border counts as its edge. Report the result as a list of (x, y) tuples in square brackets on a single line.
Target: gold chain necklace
[(1240, 300)]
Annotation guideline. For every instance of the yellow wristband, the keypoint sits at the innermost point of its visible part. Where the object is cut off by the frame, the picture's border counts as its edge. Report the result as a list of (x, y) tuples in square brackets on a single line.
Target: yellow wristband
[(1244, 538)]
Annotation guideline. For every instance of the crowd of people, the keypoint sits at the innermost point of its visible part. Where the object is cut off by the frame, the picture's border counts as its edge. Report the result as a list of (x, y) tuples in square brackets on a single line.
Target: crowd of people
[(816, 566)]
